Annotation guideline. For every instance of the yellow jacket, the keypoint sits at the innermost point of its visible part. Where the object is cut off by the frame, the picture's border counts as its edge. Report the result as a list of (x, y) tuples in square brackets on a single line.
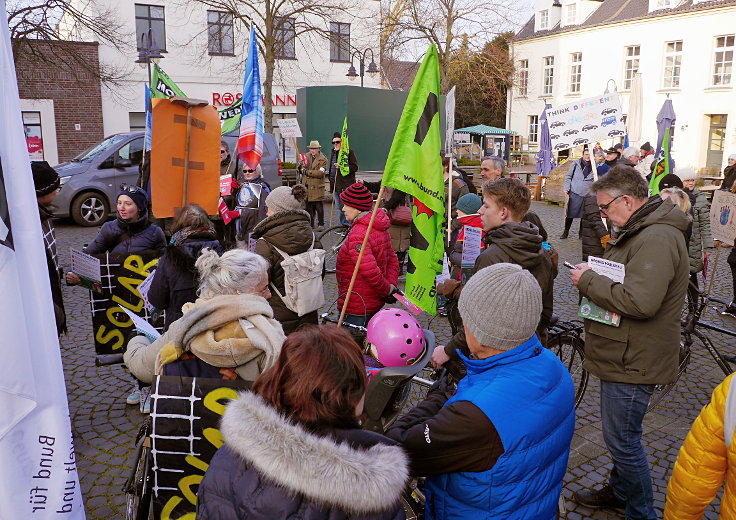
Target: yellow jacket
[(706, 460)]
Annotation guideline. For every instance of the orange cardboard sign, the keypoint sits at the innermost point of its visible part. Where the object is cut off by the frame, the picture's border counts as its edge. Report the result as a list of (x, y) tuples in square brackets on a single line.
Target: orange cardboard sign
[(185, 143)]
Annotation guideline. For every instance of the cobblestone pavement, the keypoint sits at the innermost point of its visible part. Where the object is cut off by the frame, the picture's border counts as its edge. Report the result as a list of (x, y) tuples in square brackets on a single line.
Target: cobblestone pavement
[(104, 427)]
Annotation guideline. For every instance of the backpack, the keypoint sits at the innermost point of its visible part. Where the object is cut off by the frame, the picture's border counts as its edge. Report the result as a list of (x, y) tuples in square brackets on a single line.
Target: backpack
[(303, 289)]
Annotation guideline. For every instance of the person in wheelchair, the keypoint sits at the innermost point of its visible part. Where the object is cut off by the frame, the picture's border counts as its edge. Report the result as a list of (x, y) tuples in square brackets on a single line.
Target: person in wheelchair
[(394, 338), (293, 446), (498, 447), (227, 333)]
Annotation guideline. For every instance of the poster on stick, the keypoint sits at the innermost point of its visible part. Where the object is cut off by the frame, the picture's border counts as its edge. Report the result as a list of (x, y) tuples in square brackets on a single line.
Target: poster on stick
[(585, 121), (722, 214), (289, 128)]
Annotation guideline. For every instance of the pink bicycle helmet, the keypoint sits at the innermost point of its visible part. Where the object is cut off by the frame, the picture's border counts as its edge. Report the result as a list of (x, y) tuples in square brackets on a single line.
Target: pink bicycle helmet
[(395, 337)]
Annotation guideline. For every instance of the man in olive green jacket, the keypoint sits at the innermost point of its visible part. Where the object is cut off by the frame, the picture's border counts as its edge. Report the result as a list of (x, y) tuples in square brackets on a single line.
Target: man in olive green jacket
[(643, 351)]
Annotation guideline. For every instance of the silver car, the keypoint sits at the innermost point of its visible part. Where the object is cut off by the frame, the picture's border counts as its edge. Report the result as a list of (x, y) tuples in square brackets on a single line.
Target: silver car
[(91, 181)]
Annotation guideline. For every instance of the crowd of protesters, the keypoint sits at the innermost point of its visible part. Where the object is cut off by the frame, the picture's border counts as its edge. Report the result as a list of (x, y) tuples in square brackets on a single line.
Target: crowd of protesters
[(493, 445)]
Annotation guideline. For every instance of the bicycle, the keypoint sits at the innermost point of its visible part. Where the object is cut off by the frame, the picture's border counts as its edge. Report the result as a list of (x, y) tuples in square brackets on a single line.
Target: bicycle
[(564, 339), (331, 240), (689, 335)]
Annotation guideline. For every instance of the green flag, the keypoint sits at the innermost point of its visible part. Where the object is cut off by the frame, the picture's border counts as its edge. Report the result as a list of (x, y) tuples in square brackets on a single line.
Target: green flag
[(162, 86), (414, 166), (230, 117), (342, 156), (661, 164)]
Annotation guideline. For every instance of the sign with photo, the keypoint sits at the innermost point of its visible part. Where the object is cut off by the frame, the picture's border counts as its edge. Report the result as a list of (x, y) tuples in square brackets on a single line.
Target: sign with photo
[(722, 215), (121, 276), (586, 121), (186, 415)]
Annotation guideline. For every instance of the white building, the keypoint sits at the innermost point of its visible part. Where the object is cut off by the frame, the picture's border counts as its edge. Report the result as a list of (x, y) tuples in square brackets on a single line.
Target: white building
[(205, 50), (684, 49)]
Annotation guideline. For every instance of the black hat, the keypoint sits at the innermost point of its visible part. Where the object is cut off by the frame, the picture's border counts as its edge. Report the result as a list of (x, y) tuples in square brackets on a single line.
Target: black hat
[(337, 134), (670, 181), (613, 150), (618, 146), (646, 147), (45, 178), (137, 194)]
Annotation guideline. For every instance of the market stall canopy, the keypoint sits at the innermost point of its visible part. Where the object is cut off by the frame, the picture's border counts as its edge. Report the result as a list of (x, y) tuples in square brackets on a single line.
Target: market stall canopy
[(484, 130)]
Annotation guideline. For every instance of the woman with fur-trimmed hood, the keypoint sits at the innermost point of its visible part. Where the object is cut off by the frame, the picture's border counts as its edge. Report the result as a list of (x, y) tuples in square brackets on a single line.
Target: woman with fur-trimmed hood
[(286, 227), (293, 448)]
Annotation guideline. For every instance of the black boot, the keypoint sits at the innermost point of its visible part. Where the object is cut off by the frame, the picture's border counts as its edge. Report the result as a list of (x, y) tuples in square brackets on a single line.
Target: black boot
[(599, 498), (568, 224)]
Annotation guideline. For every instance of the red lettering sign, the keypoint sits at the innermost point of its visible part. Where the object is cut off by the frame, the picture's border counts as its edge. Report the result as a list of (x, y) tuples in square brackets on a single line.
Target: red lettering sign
[(216, 98), (228, 98)]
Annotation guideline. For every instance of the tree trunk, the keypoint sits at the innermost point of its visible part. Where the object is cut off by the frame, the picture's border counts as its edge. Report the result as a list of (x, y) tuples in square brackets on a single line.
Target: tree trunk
[(269, 61)]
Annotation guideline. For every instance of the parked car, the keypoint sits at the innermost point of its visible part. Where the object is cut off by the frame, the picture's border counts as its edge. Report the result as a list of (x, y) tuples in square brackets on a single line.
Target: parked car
[(614, 133), (562, 146), (589, 127), (570, 131), (91, 180), (608, 111), (556, 124), (610, 120)]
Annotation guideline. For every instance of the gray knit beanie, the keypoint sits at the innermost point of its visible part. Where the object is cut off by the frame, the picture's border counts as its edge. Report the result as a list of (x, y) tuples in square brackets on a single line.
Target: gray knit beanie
[(501, 305), (283, 199)]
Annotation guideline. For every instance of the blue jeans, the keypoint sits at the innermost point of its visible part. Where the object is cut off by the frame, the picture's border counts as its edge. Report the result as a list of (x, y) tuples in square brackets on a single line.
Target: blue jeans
[(338, 206), (623, 406)]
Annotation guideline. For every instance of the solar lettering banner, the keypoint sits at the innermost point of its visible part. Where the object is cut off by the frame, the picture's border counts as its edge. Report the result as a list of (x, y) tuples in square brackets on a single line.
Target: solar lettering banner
[(121, 276)]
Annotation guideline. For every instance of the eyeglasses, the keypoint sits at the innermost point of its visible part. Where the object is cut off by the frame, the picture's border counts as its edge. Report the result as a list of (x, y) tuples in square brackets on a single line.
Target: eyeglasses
[(129, 188), (604, 208), (245, 170), (335, 142), (223, 151)]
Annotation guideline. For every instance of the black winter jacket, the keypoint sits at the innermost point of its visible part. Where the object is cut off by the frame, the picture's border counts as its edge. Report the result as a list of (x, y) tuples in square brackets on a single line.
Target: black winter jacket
[(291, 232), (175, 281), (592, 228), (342, 182), (119, 236), (521, 244), (273, 468), (253, 209), (729, 176)]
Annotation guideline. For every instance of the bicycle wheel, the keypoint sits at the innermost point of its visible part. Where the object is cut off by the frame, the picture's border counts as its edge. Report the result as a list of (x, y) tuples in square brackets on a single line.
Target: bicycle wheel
[(719, 358), (138, 497), (660, 391), (331, 240), (569, 348)]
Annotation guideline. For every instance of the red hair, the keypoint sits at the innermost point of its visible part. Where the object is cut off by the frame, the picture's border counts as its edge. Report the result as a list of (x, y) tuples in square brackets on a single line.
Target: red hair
[(318, 379)]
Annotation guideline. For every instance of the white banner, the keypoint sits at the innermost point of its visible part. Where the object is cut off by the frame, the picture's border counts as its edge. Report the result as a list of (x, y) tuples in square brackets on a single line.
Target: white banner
[(449, 121), (722, 216), (36, 449), (586, 121), (289, 128)]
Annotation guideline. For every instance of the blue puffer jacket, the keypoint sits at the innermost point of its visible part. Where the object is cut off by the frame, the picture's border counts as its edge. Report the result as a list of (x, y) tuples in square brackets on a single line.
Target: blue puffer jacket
[(119, 236), (528, 395)]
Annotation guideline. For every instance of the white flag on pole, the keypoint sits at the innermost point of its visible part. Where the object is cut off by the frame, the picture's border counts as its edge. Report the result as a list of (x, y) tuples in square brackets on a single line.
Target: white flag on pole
[(36, 449)]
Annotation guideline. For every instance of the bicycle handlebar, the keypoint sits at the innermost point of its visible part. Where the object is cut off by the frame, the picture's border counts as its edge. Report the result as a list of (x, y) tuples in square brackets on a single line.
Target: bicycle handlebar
[(326, 317), (694, 288)]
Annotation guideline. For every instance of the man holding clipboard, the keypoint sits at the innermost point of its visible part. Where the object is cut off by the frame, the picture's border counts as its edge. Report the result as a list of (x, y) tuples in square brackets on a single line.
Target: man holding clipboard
[(642, 278)]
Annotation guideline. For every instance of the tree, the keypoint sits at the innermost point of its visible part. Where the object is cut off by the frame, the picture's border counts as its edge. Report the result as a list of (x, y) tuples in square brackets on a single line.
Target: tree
[(61, 20), (278, 24), (443, 23), (481, 79)]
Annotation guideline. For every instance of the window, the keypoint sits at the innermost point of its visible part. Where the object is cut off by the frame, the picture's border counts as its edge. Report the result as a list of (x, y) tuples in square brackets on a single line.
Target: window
[(533, 128), (544, 20), (137, 121), (576, 71), (523, 77), (34, 137), (220, 33), (663, 4), (286, 38), (339, 41), (571, 15), (672, 64), (150, 18), (132, 151), (548, 75), (631, 65), (723, 62)]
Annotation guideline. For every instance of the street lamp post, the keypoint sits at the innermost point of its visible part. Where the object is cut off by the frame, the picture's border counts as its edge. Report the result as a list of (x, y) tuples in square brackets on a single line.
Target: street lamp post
[(149, 52), (362, 56)]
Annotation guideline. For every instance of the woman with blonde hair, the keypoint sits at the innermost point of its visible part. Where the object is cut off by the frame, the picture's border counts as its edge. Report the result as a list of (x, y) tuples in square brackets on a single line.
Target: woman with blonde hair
[(228, 332)]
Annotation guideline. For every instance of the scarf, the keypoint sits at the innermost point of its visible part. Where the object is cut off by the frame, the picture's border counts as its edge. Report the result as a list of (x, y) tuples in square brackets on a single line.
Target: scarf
[(587, 168), (178, 238), (195, 332)]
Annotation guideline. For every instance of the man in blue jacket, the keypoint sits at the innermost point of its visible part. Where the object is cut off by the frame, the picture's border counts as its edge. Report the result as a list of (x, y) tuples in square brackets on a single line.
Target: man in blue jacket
[(499, 447)]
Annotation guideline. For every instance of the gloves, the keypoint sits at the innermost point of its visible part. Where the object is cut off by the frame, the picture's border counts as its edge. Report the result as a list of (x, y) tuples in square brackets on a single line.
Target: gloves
[(389, 298)]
